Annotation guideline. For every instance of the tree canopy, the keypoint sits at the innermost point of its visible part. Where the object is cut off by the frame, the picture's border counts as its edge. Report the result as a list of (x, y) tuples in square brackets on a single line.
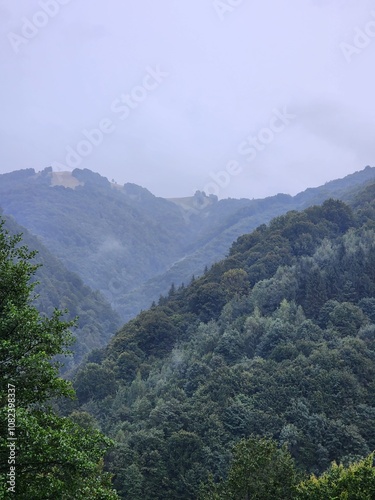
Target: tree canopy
[(276, 342), (47, 455)]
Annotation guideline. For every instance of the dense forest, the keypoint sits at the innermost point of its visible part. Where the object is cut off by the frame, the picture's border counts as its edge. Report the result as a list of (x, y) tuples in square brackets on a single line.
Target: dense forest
[(131, 245), (187, 250), (255, 380), (276, 341)]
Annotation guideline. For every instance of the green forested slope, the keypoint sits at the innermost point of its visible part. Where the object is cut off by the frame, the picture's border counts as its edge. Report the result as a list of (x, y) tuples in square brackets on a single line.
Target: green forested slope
[(62, 289), (130, 244), (214, 228), (276, 340), (42, 454), (105, 235)]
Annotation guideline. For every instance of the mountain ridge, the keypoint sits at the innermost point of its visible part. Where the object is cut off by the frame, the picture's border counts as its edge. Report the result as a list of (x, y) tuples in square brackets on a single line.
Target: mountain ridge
[(132, 245)]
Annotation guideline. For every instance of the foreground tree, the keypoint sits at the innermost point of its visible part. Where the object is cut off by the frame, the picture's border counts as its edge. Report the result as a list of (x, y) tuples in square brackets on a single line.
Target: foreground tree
[(355, 482), (259, 471), (43, 455)]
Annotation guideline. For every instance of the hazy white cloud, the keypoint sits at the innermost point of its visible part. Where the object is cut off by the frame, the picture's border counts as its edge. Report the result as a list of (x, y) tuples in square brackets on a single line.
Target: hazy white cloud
[(224, 79)]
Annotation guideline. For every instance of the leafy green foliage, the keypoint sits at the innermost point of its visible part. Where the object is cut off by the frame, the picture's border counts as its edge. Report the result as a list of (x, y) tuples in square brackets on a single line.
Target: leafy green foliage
[(58, 288), (28, 341), (54, 457), (355, 482), (276, 341), (259, 470), (58, 459)]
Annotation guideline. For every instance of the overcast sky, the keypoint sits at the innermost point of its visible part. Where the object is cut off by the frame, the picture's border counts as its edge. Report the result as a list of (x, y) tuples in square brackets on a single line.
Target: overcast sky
[(279, 95)]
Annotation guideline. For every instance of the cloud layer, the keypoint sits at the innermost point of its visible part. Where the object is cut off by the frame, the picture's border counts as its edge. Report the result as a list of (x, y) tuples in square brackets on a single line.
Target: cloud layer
[(223, 66)]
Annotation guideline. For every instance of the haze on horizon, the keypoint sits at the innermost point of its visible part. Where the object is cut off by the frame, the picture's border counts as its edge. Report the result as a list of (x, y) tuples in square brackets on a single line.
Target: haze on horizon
[(170, 94)]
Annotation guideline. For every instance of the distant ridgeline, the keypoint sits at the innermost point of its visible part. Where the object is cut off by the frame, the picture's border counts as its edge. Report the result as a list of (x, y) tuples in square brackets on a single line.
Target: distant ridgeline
[(276, 340), (131, 245)]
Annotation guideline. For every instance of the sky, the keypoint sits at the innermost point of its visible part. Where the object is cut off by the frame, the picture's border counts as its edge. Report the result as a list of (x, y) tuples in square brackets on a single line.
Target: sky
[(237, 98)]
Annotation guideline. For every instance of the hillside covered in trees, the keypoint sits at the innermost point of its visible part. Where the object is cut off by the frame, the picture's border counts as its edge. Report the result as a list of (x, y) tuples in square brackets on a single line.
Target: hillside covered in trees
[(58, 288), (131, 245), (43, 454), (276, 341)]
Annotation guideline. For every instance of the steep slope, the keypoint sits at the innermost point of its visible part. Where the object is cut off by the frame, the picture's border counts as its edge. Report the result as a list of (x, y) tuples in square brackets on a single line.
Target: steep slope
[(131, 245), (97, 230), (62, 289), (223, 222), (277, 339)]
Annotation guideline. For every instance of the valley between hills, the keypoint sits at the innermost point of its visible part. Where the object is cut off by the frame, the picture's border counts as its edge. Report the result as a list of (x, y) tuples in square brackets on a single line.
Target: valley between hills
[(220, 348)]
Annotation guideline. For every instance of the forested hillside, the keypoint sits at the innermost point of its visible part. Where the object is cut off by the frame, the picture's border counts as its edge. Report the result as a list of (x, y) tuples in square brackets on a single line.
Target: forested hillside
[(277, 340), (130, 244), (59, 288), (95, 229), (42, 455)]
